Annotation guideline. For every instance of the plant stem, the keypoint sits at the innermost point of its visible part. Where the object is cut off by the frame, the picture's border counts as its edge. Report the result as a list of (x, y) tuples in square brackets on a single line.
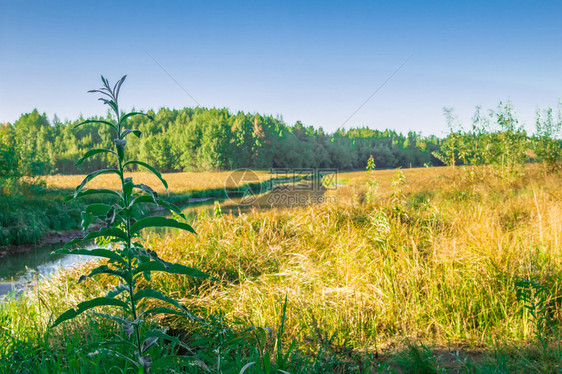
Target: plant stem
[(128, 245)]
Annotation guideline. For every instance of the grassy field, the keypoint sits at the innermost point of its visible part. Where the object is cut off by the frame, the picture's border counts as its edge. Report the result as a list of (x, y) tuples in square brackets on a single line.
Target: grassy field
[(182, 183), (35, 209), (428, 276)]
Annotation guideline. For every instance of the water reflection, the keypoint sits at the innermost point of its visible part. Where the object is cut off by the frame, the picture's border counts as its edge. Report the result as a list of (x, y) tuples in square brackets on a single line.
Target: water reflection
[(20, 269)]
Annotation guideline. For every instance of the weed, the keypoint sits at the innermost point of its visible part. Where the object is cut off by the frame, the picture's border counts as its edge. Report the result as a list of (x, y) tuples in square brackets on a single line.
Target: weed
[(418, 358), (538, 303), (372, 183), (128, 259)]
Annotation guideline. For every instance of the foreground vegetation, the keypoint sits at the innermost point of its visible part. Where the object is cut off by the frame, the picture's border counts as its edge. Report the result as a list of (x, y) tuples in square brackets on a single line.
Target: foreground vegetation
[(128, 259), (442, 270), (372, 279)]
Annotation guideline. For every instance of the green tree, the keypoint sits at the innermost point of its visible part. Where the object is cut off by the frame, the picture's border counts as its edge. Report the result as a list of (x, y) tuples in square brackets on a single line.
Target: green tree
[(546, 142), (510, 144), (32, 135), (453, 148), (9, 171)]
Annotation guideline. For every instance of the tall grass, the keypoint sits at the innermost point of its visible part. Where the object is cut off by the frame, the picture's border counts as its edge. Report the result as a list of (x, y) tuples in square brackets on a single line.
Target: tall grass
[(438, 265)]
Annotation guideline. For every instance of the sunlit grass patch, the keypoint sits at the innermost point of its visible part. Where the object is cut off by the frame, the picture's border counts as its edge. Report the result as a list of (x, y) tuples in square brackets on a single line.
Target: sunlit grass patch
[(440, 265), (178, 182)]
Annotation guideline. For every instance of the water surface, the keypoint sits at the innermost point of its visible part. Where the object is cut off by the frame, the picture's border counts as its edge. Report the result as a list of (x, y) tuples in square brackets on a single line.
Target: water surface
[(21, 269)]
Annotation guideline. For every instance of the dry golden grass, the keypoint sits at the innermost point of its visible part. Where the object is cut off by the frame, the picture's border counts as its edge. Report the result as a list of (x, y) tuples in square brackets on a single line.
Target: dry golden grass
[(437, 259), (440, 263), (417, 179), (178, 182)]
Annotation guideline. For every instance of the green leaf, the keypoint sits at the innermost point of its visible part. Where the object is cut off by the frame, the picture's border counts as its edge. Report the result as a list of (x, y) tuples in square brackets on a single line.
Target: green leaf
[(93, 191), (126, 132), (153, 294), (98, 209), (117, 86), (152, 169), (97, 252), (117, 290), (119, 320), (142, 199), (171, 268), (171, 207), (111, 103), (112, 215), (162, 335), (86, 220), (147, 189), (146, 275), (97, 121), (112, 231), (105, 82), (145, 254), (91, 176), (86, 305), (93, 152), (166, 310), (104, 269), (159, 222), (120, 145), (246, 367), (131, 114), (102, 91), (149, 342)]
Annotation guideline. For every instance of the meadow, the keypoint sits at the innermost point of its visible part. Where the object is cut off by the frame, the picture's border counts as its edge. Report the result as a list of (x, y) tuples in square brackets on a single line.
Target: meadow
[(414, 270), (185, 183), (33, 208)]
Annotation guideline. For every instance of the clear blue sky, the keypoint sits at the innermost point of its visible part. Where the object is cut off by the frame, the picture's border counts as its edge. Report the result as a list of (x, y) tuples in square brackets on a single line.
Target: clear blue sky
[(316, 61)]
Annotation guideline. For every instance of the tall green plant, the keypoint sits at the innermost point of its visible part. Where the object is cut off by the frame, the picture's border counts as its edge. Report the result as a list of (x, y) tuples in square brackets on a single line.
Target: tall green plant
[(372, 183), (539, 304), (128, 259)]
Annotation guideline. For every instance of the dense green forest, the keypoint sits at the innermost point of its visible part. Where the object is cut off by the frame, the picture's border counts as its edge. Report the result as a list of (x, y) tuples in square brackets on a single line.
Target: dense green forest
[(215, 139), (208, 139)]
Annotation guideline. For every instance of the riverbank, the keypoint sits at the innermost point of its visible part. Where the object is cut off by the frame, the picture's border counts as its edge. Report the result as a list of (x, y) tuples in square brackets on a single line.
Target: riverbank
[(34, 213), (425, 277)]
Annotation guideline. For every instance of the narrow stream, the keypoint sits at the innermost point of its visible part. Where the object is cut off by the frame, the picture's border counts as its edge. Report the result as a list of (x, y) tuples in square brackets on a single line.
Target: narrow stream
[(18, 270)]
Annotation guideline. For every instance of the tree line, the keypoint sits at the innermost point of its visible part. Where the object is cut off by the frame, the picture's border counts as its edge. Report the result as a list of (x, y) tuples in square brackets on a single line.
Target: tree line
[(202, 139), (497, 139)]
